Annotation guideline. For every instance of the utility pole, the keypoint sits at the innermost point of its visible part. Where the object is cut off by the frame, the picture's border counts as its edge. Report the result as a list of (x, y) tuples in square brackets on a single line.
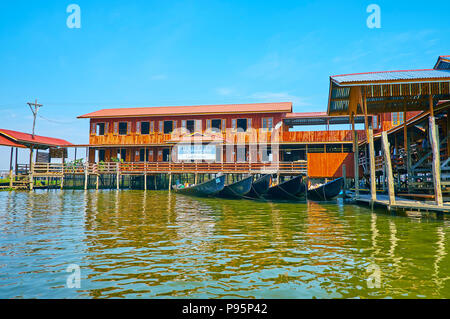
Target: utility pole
[(35, 111)]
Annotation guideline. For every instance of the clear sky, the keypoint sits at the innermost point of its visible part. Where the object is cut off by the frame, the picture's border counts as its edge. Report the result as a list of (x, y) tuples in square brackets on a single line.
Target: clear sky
[(162, 53)]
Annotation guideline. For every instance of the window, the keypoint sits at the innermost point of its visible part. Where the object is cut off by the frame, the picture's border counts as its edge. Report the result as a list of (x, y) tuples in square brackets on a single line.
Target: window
[(100, 129), (145, 128), (123, 153), (168, 127), (216, 125), (142, 155), (123, 128), (375, 121), (190, 125), (101, 155), (397, 118), (241, 125), (166, 155), (267, 123)]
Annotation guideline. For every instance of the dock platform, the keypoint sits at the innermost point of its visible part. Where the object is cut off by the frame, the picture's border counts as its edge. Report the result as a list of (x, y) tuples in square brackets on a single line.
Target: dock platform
[(403, 204)]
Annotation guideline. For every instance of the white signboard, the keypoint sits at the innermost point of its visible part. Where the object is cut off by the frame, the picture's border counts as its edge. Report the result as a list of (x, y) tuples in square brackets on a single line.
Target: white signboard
[(196, 152)]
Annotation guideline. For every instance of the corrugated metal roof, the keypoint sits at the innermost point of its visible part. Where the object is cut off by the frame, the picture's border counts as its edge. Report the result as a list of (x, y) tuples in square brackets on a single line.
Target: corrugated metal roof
[(7, 142), (281, 107), (391, 76), (27, 138), (318, 118)]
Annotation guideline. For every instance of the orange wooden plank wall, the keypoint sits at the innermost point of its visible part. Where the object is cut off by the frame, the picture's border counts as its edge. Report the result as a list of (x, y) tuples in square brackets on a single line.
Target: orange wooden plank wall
[(330, 165)]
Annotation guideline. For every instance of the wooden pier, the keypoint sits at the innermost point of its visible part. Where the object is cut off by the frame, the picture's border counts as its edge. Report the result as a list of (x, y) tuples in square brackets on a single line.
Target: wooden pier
[(402, 204)]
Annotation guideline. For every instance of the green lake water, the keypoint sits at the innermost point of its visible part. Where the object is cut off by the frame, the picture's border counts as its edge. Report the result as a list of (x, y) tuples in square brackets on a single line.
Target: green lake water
[(135, 244)]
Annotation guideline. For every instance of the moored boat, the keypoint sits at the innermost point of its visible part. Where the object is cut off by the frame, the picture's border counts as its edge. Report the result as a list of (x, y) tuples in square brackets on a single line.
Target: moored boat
[(327, 191), (237, 189), (207, 188), (288, 189), (260, 186)]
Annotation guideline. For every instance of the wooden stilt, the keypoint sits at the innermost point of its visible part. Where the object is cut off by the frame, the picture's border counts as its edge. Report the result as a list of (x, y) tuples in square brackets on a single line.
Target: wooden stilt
[(344, 176), (434, 137), (96, 181), (170, 182), (388, 165), (117, 176), (145, 168), (369, 133), (11, 168), (31, 169), (356, 159)]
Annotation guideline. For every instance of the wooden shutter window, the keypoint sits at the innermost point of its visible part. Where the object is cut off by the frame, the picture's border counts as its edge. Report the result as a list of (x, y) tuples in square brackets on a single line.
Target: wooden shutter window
[(183, 123), (208, 124), (116, 128), (233, 124), (128, 128), (106, 128), (224, 125), (152, 127), (138, 127), (161, 126), (249, 124)]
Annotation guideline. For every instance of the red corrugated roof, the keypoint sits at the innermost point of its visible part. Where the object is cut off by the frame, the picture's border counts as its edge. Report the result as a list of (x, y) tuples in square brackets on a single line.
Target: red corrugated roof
[(307, 114), (7, 142), (281, 107), (26, 138)]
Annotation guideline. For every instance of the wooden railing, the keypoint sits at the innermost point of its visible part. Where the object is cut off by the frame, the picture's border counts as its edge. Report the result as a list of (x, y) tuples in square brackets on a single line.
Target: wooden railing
[(57, 169), (251, 136)]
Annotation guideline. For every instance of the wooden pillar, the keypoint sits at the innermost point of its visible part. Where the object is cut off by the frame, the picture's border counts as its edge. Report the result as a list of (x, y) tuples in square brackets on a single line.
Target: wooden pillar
[(117, 176), (344, 176), (16, 167), (96, 182), (170, 182), (86, 175), (11, 168), (434, 137), (408, 164), (145, 168), (388, 165), (196, 178), (31, 169), (355, 154), (369, 133)]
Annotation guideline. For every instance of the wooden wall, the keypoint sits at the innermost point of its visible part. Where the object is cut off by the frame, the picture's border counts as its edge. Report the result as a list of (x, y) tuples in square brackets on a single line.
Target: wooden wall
[(330, 165)]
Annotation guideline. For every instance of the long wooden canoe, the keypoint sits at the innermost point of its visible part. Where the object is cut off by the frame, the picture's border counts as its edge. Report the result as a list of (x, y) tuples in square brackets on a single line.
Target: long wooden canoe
[(260, 186), (288, 189), (237, 189), (208, 188), (326, 191)]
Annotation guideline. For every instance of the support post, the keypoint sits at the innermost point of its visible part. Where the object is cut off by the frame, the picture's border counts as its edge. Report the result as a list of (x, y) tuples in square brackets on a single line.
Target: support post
[(369, 133), (145, 168), (356, 158), (170, 182), (344, 176), (11, 168), (436, 159), (86, 175), (31, 169), (117, 176), (388, 165)]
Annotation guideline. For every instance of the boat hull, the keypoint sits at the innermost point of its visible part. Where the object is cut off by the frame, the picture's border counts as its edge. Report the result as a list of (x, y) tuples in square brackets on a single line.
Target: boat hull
[(288, 189), (237, 189), (260, 187), (327, 191), (208, 188)]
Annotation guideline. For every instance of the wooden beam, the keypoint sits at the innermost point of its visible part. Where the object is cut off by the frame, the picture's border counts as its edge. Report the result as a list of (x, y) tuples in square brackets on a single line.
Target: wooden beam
[(369, 133), (11, 168), (436, 164), (388, 165), (31, 169)]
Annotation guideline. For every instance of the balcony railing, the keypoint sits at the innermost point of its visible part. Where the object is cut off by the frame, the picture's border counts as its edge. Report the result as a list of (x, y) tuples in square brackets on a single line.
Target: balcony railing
[(58, 169)]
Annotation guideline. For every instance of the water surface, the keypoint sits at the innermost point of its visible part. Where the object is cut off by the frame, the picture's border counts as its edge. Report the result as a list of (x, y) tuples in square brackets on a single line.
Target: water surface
[(135, 244)]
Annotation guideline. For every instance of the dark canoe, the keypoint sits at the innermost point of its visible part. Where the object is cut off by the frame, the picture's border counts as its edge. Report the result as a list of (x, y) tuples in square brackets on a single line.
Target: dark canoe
[(288, 189), (208, 188), (237, 189), (327, 191), (260, 186)]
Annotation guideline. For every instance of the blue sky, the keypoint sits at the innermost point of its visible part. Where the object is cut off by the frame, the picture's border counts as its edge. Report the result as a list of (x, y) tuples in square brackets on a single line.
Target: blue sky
[(158, 53)]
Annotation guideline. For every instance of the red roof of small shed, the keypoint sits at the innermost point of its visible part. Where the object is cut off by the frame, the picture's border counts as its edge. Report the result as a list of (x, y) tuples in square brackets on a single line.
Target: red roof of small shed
[(27, 138), (7, 142), (280, 107)]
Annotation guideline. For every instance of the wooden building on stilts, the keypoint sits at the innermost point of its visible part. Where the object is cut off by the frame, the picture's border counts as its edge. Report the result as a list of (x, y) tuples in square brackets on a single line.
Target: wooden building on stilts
[(411, 95)]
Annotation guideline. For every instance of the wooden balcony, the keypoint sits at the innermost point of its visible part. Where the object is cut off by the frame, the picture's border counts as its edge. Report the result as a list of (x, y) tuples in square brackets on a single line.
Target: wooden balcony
[(252, 136)]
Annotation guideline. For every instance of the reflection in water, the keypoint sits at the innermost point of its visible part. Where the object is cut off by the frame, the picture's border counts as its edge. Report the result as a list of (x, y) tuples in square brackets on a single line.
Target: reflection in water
[(161, 244)]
